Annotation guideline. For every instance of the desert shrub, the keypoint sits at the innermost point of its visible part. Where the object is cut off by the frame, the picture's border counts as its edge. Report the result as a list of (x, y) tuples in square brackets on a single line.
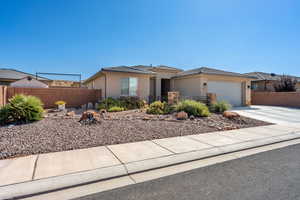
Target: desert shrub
[(108, 103), (194, 108), (22, 109), (157, 108), (4, 115), (115, 109), (285, 84), (60, 103), (127, 103), (220, 107), (169, 108), (132, 102)]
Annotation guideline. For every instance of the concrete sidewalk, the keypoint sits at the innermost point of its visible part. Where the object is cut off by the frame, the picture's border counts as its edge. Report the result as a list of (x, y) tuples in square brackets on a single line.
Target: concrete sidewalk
[(45, 172)]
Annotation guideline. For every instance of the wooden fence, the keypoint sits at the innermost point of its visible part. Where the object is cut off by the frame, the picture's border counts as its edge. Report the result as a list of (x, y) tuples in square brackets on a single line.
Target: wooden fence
[(74, 97), (288, 99)]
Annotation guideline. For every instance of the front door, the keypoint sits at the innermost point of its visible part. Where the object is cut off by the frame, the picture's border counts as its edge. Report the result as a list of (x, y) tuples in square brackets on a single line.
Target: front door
[(165, 88)]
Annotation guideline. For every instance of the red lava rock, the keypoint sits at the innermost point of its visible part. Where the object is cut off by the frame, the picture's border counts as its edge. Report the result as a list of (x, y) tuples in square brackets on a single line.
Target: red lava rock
[(182, 115)]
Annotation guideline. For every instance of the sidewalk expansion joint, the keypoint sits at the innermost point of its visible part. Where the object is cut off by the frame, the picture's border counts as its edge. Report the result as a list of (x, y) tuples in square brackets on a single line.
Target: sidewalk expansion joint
[(123, 164), (35, 166), (163, 147)]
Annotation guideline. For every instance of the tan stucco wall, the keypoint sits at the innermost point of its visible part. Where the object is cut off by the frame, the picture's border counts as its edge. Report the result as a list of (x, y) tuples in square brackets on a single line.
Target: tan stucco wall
[(188, 86), (113, 84), (194, 85)]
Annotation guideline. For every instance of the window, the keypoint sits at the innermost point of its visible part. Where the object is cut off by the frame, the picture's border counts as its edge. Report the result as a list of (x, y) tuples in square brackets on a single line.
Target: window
[(129, 86)]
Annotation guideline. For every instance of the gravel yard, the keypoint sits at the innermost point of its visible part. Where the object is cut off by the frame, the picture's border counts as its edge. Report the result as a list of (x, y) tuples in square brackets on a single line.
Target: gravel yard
[(60, 133)]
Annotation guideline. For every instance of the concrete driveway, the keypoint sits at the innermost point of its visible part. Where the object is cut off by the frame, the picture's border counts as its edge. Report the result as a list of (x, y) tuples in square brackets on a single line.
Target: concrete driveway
[(273, 114)]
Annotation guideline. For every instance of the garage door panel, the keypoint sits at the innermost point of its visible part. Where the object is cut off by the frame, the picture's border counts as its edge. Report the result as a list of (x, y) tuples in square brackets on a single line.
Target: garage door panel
[(227, 91)]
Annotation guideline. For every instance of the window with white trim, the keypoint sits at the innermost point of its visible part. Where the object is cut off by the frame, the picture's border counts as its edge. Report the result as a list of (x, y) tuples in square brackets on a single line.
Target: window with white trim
[(129, 86)]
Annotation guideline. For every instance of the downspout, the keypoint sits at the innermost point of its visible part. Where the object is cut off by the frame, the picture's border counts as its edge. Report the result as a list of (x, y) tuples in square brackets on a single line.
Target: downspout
[(105, 85)]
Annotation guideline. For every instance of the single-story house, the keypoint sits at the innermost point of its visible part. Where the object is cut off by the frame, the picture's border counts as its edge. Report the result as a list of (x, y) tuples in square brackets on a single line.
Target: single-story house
[(266, 81), (29, 82), (8, 76), (154, 82)]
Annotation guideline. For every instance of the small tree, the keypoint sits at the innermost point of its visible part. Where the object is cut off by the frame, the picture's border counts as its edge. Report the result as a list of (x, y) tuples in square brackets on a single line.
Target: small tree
[(285, 84)]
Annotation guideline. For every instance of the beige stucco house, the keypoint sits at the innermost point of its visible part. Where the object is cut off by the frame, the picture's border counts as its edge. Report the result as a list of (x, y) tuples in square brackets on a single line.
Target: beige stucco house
[(154, 82)]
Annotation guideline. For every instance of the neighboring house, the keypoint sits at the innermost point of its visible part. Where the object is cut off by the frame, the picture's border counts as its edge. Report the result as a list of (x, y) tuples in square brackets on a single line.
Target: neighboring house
[(154, 82), (265, 81), (29, 82), (8, 76)]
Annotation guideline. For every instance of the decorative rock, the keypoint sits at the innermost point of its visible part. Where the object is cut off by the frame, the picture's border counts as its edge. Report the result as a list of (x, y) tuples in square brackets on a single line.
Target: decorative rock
[(230, 115), (192, 117), (182, 115), (70, 114), (89, 117), (146, 118)]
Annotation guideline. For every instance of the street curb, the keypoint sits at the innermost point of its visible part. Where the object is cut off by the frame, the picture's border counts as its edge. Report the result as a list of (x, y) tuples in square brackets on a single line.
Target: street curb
[(30, 188)]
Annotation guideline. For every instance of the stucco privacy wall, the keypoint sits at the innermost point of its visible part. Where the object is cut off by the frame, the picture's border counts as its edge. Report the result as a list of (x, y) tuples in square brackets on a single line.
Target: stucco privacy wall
[(113, 84), (289, 99), (194, 85)]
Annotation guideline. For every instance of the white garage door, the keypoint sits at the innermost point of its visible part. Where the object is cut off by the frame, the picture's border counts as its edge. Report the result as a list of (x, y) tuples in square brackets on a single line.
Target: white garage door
[(228, 91)]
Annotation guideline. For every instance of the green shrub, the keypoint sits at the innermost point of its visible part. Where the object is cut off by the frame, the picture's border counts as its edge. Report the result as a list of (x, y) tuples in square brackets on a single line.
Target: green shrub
[(220, 107), (132, 102), (116, 109), (194, 108), (4, 115), (22, 109), (169, 108), (108, 103), (157, 108), (127, 103)]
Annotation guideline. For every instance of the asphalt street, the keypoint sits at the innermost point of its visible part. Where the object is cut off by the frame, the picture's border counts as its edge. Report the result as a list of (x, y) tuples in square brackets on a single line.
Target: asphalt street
[(273, 175)]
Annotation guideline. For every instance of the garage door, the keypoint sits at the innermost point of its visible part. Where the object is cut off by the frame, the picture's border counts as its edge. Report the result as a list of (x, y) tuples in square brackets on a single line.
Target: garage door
[(228, 91)]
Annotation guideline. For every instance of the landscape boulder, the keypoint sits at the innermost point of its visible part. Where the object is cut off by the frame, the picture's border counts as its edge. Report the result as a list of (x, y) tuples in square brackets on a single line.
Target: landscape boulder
[(230, 115), (182, 115)]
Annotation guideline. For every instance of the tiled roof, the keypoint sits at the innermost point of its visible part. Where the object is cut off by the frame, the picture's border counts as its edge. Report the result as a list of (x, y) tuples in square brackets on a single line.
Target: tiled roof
[(206, 70), (127, 69), (6, 73), (269, 76)]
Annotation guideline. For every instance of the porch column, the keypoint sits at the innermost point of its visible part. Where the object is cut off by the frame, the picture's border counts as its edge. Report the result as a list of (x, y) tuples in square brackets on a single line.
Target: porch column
[(158, 88)]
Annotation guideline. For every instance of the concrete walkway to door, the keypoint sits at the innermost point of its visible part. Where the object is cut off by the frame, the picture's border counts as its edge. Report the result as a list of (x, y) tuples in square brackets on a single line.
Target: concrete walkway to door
[(273, 114)]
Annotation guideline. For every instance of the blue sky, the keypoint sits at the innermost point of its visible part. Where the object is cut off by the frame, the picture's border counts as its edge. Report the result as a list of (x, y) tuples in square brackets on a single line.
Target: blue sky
[(81, 36)]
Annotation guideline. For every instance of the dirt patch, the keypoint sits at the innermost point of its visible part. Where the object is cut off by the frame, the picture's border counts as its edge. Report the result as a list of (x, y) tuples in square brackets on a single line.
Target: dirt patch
[(58, 132)]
